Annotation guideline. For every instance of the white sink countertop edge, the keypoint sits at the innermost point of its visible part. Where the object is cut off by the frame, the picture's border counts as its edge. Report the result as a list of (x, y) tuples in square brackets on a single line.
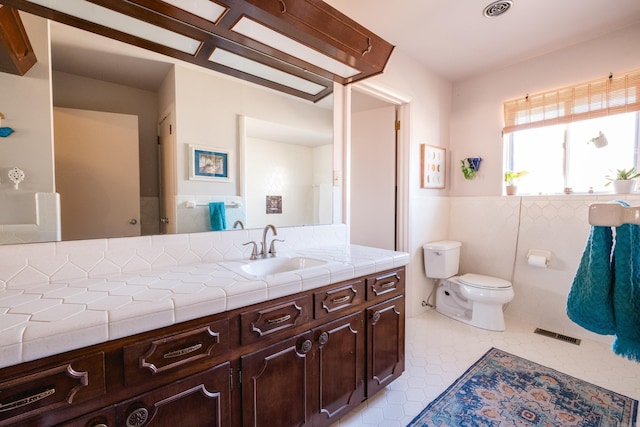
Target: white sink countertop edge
[(55, 317)]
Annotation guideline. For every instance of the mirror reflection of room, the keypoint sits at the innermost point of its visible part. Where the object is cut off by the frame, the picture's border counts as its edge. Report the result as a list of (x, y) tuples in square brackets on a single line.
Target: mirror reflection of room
[(107, 80)]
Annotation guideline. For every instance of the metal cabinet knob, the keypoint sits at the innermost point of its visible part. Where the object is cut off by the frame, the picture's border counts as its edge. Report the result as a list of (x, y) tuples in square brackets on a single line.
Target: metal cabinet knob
[(375, 317), (305, 346), (137, 417), (323, 338)]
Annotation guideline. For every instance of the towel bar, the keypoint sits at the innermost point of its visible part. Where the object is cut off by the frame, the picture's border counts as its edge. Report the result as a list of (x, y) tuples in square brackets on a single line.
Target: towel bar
[(613, 214), (192, 204)]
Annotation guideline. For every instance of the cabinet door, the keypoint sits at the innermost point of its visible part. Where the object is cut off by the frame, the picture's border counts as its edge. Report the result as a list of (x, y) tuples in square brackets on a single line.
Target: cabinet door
[(385, 343), (202, 400), (339, 358), (275, 384)]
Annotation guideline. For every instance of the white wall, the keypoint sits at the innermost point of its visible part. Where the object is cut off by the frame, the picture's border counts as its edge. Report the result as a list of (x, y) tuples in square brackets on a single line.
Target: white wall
[(28, 110), (429, 124), (477, 115), (207, 110), (498, 231), (279, 169)]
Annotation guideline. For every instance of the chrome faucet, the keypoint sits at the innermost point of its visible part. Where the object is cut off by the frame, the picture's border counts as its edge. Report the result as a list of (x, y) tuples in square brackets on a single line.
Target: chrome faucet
[(238, 223), (265, 251)]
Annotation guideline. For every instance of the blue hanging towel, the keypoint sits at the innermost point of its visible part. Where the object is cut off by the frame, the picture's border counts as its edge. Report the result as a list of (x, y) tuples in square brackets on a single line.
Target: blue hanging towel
[(590, 300), (218, 216), (626, 297)]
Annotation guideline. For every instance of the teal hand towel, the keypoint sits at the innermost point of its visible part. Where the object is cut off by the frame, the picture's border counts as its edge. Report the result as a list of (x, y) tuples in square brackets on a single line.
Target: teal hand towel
[(590, 300), (626, 297), (218, 216)]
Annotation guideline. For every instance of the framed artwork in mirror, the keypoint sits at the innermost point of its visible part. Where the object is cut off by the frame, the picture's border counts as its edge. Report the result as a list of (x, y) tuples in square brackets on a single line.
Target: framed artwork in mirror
[(433, 166), (209, 164)]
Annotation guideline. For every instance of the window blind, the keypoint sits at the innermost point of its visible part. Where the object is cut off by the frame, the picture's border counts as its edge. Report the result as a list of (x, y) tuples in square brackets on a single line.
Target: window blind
[(597, 98)]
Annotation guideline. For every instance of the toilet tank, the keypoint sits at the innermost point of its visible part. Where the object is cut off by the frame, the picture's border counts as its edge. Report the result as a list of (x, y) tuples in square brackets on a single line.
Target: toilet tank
[(441, 259)]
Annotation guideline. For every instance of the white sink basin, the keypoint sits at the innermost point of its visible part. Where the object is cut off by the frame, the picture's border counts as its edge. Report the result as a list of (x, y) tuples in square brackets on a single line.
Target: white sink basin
[(269, 266)]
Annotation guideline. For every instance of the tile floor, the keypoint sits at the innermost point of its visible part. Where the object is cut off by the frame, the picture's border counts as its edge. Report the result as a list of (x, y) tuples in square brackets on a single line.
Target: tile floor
[(440, 349)]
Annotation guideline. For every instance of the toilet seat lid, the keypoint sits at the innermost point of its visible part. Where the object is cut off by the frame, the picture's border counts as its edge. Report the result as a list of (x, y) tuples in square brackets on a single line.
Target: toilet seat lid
[(480, 281)]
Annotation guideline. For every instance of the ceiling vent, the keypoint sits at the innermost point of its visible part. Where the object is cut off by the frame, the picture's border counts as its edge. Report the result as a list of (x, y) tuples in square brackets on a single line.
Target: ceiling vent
[(497, 8)]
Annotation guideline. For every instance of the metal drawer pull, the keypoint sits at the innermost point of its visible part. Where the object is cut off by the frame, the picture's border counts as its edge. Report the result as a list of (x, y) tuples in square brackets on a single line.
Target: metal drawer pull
[(182, 351), (26, 401), (388, 285), (279, 320), (341, 299)]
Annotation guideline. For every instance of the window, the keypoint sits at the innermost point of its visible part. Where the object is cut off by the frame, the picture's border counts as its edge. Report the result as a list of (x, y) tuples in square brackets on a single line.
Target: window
[(551, 135), (563, 156)]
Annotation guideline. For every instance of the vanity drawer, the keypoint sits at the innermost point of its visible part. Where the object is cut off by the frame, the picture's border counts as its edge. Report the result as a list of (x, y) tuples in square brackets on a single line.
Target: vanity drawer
[(337, 298), (269, 319), (56, 387), (385, 284), (162, 355)]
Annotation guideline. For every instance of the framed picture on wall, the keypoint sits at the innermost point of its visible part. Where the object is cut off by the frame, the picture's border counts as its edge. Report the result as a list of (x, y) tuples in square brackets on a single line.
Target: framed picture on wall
[(209, 164), (433, 166)]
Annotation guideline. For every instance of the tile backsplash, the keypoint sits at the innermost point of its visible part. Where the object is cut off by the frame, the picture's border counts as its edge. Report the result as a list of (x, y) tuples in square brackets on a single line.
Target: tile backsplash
[(29, 265)]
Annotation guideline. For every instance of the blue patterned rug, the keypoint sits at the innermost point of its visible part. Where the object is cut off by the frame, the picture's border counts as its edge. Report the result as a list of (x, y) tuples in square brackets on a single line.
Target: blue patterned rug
[(502, 389)]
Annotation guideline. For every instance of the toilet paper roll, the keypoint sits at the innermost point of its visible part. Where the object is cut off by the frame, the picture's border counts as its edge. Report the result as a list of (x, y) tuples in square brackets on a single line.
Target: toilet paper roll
[(537, 261)]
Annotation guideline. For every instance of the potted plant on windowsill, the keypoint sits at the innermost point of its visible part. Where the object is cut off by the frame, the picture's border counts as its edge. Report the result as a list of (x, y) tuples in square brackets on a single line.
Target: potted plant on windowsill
[(623, 180), (511, 178)]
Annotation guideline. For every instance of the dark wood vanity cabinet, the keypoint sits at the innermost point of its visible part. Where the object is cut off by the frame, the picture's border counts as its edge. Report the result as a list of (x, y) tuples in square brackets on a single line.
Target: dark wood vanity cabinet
[(385, 341), (310, 379), (302, 360)]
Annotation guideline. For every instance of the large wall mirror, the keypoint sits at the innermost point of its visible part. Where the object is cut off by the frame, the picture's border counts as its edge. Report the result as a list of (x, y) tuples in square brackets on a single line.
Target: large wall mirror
[(90, 97)]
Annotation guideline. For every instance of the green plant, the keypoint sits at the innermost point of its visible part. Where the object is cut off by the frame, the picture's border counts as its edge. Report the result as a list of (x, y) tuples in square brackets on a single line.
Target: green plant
[(468, 170), (622, 175), (510, 177)]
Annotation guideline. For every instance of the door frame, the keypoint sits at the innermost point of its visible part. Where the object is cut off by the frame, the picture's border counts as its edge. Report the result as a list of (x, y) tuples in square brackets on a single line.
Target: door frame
[(403, 139)]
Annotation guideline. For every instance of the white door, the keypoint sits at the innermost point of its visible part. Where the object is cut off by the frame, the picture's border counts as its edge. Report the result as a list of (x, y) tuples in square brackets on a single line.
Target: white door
[(97, 173), (373, 177), (167, 171)]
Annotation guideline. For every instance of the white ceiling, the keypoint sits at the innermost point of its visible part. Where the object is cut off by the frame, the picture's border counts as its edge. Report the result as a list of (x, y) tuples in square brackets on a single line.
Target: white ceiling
[(451, 38), (455, 40)]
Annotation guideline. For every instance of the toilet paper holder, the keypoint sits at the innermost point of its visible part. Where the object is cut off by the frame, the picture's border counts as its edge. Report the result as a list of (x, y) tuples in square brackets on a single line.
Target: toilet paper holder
[(535, 256)]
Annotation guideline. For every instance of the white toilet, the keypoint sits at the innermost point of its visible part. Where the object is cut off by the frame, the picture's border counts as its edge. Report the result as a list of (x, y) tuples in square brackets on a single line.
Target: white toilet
[(470, 298)]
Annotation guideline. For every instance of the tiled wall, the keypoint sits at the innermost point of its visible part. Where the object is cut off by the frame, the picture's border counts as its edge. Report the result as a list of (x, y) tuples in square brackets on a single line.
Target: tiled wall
[(47, 229), (498, 232), (33, 264)]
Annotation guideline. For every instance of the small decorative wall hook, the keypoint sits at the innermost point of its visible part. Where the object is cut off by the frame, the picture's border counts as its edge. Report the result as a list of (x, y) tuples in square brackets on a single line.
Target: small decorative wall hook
[(16, 176)]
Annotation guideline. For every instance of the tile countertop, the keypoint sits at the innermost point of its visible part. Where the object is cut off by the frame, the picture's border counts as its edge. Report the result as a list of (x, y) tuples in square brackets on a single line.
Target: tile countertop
[(64, 315)]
